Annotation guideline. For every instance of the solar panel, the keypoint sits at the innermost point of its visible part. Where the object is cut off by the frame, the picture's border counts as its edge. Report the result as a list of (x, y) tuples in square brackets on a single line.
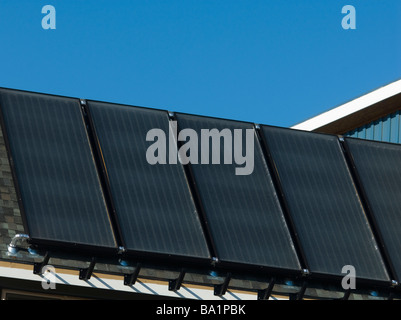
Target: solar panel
[(153, 202), (323, 203), (378, 168), (241, 206), (55, 171)]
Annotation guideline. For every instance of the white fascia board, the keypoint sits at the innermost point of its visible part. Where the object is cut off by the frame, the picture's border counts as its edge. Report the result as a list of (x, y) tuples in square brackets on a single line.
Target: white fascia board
[(351, 107)]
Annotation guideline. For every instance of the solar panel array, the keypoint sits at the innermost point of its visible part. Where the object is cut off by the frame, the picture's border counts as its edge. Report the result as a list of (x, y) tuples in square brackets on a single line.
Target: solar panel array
[(185, 188)]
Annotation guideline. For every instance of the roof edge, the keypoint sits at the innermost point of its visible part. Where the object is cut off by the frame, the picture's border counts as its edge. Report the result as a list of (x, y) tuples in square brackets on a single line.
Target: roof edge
[(351, 108)]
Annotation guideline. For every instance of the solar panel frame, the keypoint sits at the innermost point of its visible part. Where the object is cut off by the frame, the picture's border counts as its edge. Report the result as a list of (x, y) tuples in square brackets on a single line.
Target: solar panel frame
[(318, 274), (77, 247), (281, 196), (103, 175), (368, 202), (222, 262), (170, 259), (198, 203)]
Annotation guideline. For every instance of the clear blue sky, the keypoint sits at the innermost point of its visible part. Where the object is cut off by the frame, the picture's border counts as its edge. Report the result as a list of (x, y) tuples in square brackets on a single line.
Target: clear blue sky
[(272, 62)]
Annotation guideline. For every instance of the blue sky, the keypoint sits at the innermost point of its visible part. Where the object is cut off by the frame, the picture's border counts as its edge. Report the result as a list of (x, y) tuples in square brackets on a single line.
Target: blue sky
[(272, 62)]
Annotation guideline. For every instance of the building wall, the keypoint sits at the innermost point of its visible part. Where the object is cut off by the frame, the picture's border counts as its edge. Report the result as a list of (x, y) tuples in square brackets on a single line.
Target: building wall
[(10, 216), (387, 129)]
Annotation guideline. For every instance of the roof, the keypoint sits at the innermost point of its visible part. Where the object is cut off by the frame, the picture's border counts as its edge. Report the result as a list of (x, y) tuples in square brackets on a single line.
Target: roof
[(357, 112)]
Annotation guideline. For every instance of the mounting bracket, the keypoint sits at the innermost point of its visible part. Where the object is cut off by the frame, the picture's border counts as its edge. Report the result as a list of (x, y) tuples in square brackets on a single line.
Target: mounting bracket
[(346, 295), (38, 266), (266, 293), (299, 295), (175, 285), (86, 273), (130, 279), (220, 289)]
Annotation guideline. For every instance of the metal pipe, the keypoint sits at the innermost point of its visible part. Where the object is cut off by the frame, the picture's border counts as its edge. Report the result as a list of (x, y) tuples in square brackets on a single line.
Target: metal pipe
[(18, 238)]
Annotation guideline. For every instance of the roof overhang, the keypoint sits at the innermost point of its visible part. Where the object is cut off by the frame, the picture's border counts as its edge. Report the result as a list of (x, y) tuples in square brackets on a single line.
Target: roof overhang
[(357, 112)]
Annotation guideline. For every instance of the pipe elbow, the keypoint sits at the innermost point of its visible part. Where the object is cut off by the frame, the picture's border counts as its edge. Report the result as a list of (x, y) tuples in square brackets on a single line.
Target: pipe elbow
[(16, 242)]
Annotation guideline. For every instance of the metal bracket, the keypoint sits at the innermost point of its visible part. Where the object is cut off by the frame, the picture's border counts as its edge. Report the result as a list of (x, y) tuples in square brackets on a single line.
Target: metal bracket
[(130, 279), (266, 293), (305, 272), (215, 260), (175, 285), (346, 295), (394, 285), (220, 289), (86, 273), (171, 115), (299, 295), (38, 266)]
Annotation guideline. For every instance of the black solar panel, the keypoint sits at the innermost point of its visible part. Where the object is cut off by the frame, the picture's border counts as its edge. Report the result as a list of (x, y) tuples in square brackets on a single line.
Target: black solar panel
[(242, 208), (324, 204), (378, 168), (153, 202), (55, 170)]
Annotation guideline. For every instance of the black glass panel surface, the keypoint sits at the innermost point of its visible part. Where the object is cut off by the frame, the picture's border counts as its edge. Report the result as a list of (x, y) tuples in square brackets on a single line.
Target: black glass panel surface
[(153, 202), (324, 204), (237, 193), (379, 170), (55, 169)]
